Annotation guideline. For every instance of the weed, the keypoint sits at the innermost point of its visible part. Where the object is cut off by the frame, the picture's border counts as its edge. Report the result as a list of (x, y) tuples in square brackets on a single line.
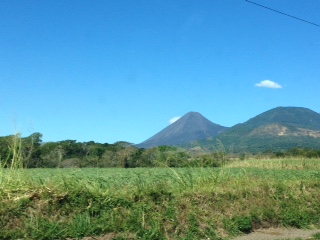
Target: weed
[(243, 223), (316, 236)]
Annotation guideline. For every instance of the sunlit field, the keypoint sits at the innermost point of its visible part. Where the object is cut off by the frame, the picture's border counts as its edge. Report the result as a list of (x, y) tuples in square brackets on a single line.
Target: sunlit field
[(160, 203)]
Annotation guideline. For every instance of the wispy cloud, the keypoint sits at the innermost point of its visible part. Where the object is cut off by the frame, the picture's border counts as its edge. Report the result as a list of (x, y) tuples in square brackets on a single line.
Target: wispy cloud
[(172, 120), (268, 84)]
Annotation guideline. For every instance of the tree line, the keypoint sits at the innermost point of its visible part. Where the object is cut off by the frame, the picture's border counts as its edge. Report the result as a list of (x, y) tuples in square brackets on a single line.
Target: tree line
[(31, 152)]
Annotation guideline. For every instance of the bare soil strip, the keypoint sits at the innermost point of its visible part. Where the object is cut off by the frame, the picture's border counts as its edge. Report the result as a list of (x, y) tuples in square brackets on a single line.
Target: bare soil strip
[(278, 233)]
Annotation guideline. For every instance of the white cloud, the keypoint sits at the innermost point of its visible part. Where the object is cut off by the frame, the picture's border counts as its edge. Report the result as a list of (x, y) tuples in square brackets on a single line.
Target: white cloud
[(268, 84), (172, 120)]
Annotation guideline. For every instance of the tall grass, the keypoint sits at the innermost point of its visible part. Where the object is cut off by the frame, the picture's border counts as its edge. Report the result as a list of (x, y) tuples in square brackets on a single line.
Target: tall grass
[(11, 166), (278, 163), (15, 159), (160, 203)]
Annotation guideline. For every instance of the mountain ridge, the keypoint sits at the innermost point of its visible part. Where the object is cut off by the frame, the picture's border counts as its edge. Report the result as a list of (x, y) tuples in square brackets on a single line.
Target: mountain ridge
[(277, 129)]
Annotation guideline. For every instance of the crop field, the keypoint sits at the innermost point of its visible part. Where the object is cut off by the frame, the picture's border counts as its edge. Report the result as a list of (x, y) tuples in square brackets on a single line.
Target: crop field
[(160, 203)]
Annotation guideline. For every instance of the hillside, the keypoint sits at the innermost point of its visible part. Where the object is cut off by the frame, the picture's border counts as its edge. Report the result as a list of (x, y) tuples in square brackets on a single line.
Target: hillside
[(191, 127), (278, 129)]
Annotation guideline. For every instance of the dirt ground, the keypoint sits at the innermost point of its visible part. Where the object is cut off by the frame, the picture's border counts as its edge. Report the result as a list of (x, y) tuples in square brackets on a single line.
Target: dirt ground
[(260, 234), (278, 233)]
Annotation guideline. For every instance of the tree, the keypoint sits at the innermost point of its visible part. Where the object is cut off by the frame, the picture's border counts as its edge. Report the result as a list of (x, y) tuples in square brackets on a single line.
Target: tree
[(31, 149)]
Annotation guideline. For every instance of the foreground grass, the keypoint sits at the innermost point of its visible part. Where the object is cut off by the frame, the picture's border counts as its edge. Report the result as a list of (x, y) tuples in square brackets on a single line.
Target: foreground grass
[(159, 203)]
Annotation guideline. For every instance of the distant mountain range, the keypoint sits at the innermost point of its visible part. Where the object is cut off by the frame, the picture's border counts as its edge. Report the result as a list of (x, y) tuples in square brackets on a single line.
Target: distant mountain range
[(278, 129), (191, 127)]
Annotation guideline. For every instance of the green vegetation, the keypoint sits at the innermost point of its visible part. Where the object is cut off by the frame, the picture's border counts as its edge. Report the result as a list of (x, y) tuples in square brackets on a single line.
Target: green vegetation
[(211, 195), (70, 153), (159, 203), (236, 142), (316, 236), (277, 130), (17, 152), (30, 152)]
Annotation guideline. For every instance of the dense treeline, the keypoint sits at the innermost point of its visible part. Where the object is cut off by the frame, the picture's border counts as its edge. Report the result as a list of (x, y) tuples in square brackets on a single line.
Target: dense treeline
[(299, 152), (16, 151), (32, 153), (258, 144), (70, 153)]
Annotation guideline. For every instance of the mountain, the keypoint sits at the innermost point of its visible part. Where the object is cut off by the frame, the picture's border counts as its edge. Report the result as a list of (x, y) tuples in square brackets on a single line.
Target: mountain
[(278, 129), (191, 127)]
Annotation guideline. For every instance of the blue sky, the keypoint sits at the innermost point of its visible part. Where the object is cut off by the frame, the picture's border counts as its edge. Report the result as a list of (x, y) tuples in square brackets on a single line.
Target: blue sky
[(120, 70)]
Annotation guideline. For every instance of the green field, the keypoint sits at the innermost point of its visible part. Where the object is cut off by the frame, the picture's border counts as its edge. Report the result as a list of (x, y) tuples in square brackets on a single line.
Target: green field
[(159, 203)]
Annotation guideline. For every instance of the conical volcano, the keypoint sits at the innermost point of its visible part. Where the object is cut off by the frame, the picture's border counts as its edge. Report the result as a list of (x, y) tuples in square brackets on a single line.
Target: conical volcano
[(191, 127)]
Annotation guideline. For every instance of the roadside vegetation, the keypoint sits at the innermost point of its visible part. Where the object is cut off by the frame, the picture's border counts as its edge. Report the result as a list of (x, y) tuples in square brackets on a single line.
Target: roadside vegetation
[(196, 202)]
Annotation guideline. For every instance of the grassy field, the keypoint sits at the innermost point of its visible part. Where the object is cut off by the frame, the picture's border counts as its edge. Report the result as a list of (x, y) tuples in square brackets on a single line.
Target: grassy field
[(160, 203)]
